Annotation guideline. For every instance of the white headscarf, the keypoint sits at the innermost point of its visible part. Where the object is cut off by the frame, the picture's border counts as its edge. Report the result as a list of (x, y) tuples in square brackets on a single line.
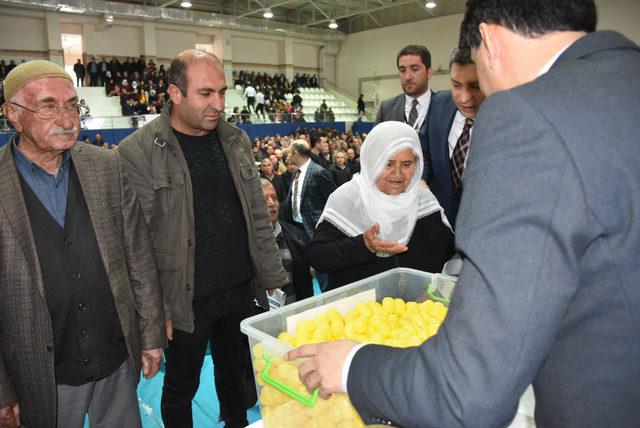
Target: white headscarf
[(358, 204)]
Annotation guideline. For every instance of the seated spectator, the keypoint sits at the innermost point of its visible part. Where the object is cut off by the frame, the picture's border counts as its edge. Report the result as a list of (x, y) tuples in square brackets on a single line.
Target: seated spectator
[(340, 171), (98, 141), (318, 116), (292, 249), (267, 171), (352, 161), (330, 116), (245, 115), (296, 100), (382, 218)]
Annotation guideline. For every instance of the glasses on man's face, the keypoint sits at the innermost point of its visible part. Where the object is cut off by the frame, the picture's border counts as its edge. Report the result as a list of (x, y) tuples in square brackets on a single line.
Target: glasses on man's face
[(51, 111)]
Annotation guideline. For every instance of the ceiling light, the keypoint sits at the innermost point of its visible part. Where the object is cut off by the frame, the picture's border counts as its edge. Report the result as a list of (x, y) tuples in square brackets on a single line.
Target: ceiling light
[(333, 24), (430, 5), (267, 13), (185, 3), (108, 18)]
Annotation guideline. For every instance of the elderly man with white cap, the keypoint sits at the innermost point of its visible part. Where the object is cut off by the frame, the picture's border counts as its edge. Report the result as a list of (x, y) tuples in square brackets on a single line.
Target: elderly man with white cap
[(80, 303)]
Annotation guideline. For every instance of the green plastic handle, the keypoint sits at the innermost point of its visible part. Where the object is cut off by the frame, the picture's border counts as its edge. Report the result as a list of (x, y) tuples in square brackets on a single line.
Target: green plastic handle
[(430, 290), (306, 399)]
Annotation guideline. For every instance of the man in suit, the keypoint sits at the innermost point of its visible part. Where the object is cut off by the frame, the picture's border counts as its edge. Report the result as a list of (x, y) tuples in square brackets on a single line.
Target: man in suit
[(309, 190), (81, 304), (293, 251), (319, 147), (80, 71), (549, 233), (412, 106), (449, 129), (308, 195)]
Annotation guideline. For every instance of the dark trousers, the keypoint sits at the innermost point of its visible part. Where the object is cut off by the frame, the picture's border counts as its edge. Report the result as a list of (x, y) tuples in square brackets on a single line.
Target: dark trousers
[(251, 101), (79, 80), (93, 79), (217, 319)]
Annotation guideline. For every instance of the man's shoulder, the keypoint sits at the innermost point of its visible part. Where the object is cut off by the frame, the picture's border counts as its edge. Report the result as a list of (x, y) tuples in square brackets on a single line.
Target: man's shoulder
[(442, 104), (393, 100), (146, 135)]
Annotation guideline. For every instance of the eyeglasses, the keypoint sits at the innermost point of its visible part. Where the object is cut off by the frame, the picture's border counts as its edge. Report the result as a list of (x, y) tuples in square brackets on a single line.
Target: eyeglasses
[(51, 111)]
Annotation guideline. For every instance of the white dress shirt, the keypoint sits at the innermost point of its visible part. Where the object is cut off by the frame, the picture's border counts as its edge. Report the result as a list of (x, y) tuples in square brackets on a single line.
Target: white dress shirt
[(297, 217), (422, 107)]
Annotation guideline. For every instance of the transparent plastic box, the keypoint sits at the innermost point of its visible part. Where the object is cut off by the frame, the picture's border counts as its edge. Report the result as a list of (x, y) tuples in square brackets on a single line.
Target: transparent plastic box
[(283, 400)]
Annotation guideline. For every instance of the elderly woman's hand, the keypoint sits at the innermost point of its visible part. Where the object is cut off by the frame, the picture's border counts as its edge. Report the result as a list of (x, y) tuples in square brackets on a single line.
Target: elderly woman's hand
[(377, 245)]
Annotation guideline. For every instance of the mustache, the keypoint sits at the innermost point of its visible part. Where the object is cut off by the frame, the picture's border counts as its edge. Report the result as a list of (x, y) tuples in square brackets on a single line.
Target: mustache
[(61, 131)]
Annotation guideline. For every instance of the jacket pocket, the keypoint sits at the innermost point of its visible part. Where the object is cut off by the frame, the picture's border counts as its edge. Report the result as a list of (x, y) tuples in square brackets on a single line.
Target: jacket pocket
[(166, 261), (247, 167), (169, 192)]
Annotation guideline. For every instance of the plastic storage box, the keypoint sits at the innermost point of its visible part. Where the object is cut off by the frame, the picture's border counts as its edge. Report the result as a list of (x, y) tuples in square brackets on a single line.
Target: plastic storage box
[(283, 400)]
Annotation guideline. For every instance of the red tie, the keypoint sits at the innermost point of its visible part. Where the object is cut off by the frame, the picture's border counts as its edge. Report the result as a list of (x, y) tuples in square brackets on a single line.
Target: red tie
[(460, 153)]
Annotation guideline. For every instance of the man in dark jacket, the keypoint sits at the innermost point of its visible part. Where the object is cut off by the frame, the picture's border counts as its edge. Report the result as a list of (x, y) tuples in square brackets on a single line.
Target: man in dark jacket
[(80, 71), (292, 249), (200, 192)]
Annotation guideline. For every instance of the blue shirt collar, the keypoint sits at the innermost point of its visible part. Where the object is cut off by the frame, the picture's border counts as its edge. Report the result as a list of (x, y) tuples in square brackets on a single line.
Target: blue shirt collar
[(22, 160)]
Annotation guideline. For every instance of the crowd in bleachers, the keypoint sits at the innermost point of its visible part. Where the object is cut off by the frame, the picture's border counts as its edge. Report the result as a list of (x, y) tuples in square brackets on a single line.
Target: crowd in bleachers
[(268, 96)]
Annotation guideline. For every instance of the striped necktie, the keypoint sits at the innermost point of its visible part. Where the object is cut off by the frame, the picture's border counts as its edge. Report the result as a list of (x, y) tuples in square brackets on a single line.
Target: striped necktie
[(413, 114), (294, 202), (460, 153)]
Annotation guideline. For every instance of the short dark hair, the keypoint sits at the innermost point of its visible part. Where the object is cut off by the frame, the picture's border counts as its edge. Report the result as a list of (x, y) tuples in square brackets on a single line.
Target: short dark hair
[(177, 73), (460, 56), (315, 138), (423, 52), (529, 18)]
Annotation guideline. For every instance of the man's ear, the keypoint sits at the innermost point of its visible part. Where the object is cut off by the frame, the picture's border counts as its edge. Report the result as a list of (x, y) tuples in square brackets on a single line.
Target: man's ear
[(492, 44), (429, 73), (12, 115), (174, 93)]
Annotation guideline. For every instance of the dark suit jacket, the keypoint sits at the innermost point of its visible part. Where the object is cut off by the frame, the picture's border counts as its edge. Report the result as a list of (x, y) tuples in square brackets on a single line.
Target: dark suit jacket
[(393, 109), (435, 147), (549, 293), (302, 280), (316, 188), (26, 336)]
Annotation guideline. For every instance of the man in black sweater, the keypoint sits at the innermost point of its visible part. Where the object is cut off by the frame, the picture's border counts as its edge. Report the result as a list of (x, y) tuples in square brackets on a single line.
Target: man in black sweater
[(197, 183)]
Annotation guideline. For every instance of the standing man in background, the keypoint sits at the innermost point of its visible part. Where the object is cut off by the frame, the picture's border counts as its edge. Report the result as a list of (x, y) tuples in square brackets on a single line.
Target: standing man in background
[(250, 95), (310, 189), (449, 130), (93, 70), (412, 106), (213, 240), (81, 308), (80, 70)]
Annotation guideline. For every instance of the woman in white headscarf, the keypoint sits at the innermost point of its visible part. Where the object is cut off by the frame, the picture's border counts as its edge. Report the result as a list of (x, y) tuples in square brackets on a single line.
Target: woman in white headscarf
[(383, 218)]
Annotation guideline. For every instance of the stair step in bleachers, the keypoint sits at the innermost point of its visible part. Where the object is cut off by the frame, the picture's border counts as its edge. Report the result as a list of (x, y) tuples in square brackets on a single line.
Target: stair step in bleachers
[(99, 103)]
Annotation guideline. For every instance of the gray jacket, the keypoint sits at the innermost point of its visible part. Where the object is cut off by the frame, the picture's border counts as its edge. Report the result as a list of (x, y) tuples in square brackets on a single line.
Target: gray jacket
[(156, 166)]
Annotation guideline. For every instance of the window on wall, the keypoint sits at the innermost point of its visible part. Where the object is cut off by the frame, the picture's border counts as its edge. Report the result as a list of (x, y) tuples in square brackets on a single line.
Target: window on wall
[(72, 51), (207, 47)]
